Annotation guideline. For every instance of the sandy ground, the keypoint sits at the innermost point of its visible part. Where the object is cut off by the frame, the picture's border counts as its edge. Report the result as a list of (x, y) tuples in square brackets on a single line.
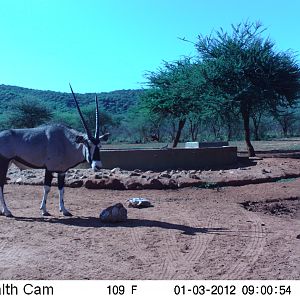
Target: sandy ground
[(189, 233)]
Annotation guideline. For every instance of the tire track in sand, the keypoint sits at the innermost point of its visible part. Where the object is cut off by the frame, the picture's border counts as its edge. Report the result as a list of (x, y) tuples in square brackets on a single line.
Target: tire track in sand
[(179, 262), (251, 252), (176, 259)]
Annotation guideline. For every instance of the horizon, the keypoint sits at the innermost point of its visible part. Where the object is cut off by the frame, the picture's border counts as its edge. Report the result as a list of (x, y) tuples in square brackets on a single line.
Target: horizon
[(67, 92), (104, 46)]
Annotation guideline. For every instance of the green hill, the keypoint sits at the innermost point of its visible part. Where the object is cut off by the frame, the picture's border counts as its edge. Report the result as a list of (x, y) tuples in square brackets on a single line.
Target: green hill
[(115, 102)]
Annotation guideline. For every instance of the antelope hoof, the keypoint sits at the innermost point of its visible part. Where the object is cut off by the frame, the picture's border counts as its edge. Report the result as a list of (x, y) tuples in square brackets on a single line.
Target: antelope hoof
[(45, 214), (7, 214), (67, 214)]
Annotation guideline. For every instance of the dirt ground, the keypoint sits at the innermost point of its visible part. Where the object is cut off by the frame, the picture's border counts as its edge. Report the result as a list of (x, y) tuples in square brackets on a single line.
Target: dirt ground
[(245, 232)]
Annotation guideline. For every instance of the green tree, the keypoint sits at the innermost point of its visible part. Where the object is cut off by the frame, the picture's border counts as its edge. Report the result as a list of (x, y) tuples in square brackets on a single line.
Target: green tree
[(29, 114), (106, 119), (72, 119), (243, 69), (175, 91), (141, 124), (286, 118)]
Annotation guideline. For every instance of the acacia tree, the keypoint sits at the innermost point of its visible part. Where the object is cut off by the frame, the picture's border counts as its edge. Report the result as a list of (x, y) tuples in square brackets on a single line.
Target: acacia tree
[(29, 114), (175, 91), (243, 69), (286, 119)]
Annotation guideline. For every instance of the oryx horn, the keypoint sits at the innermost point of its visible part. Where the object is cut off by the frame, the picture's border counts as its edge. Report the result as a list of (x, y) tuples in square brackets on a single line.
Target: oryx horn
[(97, 132), (81, 116)]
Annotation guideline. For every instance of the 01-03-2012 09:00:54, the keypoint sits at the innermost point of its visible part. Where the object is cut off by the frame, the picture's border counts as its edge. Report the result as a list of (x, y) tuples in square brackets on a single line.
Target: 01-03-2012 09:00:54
[(232, 290)]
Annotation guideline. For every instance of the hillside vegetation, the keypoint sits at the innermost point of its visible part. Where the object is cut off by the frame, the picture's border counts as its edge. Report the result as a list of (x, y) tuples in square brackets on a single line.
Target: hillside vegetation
[(123, 117), (116, 102)]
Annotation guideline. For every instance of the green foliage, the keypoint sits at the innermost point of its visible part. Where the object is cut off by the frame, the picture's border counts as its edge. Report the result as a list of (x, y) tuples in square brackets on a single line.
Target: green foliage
[(142, 123), (175, 90), (113, 106), (245, 68), (116, 102), (28, 114), (106, 119), (244, 72)]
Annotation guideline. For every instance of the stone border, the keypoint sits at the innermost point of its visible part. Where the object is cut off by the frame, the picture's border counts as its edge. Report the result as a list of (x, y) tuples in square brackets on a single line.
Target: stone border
[(260, 171)]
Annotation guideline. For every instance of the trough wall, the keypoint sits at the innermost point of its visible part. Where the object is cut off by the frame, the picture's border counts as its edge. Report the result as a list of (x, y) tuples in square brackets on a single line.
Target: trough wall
[(205, 144), (164, 159)]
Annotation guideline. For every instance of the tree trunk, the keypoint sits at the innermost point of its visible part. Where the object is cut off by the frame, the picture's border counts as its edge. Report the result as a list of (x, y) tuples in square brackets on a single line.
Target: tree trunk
[(285, 127), (256, 135), (256, 129), (229, 131), (193, 130), (178, 133), (246, 120), (256, 124)]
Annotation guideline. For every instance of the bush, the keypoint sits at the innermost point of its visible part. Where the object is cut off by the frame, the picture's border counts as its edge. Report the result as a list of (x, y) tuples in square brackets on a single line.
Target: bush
[(28, 114)]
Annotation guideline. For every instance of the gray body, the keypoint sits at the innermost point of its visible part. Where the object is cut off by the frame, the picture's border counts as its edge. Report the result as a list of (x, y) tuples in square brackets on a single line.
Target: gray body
[(51, 147)]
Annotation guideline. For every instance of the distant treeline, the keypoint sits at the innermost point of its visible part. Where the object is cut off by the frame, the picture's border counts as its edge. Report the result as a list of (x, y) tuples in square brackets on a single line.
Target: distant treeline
[(122, 116), (116, 102)]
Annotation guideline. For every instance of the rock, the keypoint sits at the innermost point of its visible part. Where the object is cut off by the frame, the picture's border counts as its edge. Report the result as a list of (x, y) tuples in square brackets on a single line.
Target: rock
[(194, 176), (115, 184), (165, 175), (75, 183), (113, 214), (94, 184), (111, 183), (154, 184), (115, 170), (176, 176), (172, 184), (19, 180), (134, 174), (192, 171), (133, 184), (298, 237), (139, 203), (148, 172), (101, 176), (29, 176)]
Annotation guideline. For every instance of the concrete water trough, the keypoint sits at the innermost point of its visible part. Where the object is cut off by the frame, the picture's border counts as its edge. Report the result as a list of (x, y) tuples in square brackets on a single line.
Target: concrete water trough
[(165, 159), (205, 144)]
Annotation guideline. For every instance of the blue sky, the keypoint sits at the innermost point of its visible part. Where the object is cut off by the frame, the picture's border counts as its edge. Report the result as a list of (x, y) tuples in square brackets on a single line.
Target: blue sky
[(105, 45)]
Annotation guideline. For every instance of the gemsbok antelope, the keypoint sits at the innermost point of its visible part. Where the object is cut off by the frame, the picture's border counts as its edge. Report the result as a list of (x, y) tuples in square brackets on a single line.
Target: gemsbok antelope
[(55, 148)]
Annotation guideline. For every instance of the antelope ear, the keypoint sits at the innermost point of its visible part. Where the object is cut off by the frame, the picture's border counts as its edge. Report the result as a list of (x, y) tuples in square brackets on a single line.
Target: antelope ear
[(104, 137), (79, 139)]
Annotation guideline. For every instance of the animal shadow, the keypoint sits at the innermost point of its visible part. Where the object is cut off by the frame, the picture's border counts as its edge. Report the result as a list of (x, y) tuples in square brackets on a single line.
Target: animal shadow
[(94, 222)]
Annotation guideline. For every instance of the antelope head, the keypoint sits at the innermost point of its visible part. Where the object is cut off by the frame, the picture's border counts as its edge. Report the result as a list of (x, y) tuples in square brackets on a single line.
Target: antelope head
[(92, 144)]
